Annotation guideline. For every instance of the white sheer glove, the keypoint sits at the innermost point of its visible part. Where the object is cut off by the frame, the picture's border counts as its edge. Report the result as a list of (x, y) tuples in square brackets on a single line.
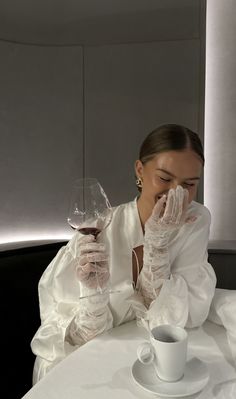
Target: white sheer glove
[(93, 316), (158, 229), (168, 215), (92, 269)]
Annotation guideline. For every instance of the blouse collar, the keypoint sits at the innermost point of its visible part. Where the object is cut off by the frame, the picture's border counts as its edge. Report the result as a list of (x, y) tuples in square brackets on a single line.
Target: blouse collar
[(135, 231)]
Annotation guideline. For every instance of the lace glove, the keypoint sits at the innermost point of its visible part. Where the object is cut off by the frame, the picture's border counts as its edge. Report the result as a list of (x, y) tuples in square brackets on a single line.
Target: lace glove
[(92, 269), (168, 215), (93, 318)]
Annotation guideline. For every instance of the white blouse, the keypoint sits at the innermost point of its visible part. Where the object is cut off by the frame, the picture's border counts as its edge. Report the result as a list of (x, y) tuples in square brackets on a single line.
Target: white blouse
[(184, 298)]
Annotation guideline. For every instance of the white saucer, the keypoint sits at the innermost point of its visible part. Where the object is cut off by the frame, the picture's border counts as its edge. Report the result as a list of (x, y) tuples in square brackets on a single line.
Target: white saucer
[(194, 380)]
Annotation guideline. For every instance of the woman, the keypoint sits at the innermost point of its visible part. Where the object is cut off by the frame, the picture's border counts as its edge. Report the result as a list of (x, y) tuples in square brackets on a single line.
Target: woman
[(157, 245)]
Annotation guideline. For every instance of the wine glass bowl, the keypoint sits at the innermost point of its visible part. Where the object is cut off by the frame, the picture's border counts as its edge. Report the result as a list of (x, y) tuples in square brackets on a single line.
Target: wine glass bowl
[(90, 211)]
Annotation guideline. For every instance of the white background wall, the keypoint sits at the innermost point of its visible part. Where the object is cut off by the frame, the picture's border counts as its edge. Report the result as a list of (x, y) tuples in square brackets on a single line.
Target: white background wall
[(130, 90), (85, 109), (220, 118), (40, 138)]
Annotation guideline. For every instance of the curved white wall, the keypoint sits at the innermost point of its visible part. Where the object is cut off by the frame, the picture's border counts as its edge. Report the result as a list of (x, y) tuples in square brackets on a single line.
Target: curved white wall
[(220, 118), (40, 139), (84, 109)]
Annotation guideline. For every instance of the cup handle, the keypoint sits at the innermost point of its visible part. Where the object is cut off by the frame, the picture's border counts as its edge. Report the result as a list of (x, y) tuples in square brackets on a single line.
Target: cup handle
[(145, 353)]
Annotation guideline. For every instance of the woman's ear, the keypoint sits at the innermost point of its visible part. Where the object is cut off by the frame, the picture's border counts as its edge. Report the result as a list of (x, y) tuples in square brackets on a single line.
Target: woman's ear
[(138, 166)]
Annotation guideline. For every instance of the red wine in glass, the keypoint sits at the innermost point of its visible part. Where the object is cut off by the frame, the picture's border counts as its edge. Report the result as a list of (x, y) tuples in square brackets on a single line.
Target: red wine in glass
[(90, 230)]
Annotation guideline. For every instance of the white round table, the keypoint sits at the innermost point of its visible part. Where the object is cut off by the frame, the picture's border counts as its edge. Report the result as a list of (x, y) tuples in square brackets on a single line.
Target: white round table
[(101, 368)]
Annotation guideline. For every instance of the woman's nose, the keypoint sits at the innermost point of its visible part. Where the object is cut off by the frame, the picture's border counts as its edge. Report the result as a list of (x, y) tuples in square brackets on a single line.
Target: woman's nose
[(174, 185)]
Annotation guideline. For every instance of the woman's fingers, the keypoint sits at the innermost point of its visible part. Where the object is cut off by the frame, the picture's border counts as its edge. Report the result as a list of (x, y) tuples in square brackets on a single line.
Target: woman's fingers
[(92, 269), (94, 257), (92, 247), (169, 209), (176, 206), (182, 204), (85, 239), (158, 208)]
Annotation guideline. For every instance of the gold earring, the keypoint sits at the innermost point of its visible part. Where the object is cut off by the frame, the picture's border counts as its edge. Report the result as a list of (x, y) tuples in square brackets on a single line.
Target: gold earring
[(139, 182)]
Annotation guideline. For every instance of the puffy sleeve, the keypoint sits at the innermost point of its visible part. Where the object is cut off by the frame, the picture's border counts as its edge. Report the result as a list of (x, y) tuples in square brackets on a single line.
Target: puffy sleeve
[(185, 297), (66, 321)]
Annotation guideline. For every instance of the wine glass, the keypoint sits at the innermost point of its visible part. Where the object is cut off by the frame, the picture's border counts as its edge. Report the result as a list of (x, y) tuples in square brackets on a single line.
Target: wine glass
[(90, 211)]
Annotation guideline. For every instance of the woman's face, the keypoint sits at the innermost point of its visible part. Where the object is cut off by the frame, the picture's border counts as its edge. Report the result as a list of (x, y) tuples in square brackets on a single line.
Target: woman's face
[(168, 170)]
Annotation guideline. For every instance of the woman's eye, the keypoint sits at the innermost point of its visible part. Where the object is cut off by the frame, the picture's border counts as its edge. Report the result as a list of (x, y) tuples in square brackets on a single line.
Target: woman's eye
[(189, 184), (165, 180)]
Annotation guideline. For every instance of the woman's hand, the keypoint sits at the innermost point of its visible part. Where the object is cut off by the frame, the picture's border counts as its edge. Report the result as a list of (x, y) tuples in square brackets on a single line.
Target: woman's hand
[(169, 214), (92, 269)]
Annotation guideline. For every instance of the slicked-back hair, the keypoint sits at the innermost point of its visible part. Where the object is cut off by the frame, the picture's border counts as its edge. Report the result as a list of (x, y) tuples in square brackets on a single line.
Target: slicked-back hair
[(170, 137)]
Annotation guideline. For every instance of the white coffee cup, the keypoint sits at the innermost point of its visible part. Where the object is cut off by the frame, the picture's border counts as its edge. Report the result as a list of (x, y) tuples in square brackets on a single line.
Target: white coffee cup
[(167, 350)]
